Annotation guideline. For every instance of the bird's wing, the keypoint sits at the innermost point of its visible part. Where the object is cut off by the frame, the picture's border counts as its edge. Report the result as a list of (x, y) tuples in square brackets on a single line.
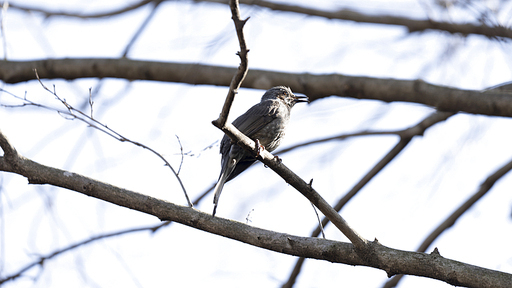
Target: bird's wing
[(251, 122), (257, 117)]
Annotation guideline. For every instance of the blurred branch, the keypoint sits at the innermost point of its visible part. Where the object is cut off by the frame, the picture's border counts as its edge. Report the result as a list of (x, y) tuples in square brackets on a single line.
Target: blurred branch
[(406, 136), (42, 259), (412, 25), (143, 26), (48, 13), (390, 260), (443, 98), (450, 220)]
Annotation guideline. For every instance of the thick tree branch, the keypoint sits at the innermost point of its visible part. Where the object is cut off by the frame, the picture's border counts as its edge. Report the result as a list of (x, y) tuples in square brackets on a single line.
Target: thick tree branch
[(390, 260), (43, 259), (315, 86), (412, 25)]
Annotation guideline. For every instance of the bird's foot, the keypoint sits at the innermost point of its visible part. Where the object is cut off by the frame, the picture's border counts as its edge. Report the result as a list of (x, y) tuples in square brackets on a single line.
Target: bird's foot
[(278, 159), (259, 148)]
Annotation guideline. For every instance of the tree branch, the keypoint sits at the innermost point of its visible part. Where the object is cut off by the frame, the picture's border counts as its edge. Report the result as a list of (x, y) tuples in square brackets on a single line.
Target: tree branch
[(450, 220), (315, 86), (390, 260), (412, 25)]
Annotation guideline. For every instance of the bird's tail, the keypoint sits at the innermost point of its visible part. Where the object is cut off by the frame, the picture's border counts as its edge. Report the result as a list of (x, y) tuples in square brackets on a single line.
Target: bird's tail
[(226, 171)]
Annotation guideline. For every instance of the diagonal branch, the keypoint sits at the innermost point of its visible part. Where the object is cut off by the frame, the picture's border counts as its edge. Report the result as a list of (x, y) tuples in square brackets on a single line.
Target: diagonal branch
[(304, 188), (450, 220), (406, 136), (239, 77)]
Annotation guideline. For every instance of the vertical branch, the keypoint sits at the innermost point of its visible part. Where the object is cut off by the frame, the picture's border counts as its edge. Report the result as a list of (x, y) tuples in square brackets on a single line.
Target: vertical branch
[(242, 68)]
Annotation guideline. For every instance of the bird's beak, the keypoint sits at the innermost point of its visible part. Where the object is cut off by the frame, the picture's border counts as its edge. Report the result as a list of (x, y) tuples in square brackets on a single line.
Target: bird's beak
[(301, 98)]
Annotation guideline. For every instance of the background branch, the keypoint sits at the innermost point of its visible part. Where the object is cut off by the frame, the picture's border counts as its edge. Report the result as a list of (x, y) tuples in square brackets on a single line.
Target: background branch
[(315, 86)]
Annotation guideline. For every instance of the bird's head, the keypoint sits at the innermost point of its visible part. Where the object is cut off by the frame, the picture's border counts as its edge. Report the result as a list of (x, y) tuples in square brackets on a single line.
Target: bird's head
[(283, 94)]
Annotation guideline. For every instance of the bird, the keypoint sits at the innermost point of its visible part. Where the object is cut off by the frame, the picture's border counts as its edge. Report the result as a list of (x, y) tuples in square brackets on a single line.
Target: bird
[(264, 123)]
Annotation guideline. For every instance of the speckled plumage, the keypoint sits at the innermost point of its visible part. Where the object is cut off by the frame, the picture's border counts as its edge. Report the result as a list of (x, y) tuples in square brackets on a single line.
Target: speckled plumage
[(265, 122)]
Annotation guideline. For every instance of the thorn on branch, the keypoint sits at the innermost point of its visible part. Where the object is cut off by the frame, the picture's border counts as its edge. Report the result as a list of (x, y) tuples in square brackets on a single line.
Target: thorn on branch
[(435, 252)]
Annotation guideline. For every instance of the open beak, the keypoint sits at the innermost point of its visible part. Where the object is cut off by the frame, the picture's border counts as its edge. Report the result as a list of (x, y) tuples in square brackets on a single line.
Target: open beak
[(301, 99)]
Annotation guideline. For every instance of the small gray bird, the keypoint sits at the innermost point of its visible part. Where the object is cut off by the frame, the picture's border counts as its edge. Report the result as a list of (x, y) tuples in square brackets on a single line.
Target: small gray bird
[(265, 123)]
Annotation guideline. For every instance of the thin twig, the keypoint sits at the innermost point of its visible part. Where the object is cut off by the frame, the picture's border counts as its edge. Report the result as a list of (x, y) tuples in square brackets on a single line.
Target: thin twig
[(79, 115), (318, 218), (236, 81), (49, 256), (90, 101), (182, 156)]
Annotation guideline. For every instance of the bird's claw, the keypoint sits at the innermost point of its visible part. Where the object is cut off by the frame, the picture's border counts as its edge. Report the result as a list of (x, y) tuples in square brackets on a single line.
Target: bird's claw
[(259, 148), (278, 159)]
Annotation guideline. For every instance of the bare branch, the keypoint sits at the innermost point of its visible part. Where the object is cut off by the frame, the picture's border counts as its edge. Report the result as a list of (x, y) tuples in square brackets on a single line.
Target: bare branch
[(450, 220), (239, 77), (412, 25), (390, 260), (315, 86), (406, 136), (49, 256)]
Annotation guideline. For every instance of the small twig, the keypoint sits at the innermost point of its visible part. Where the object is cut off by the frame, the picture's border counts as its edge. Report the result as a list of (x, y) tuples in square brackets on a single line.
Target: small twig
[(181, 150), (318, 218), (5, 6), (450, 220), (248, 218), (192, 154), (316, 212), (236, 81), (90, 101)]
